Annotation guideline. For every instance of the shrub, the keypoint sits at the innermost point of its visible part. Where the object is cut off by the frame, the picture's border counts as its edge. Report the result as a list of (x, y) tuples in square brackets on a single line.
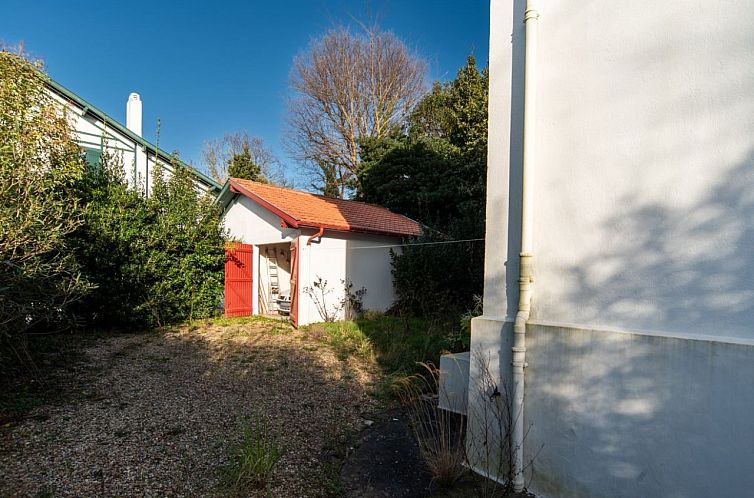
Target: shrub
[(439, 433), (39, 167), (156, 260), (435, 173)]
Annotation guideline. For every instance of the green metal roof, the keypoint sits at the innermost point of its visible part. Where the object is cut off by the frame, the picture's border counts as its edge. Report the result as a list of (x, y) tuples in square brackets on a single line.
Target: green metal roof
[(159, 153), (225, 195)]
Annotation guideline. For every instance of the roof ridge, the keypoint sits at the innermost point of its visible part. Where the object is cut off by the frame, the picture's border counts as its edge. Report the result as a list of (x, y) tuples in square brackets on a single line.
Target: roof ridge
[(321, 196)]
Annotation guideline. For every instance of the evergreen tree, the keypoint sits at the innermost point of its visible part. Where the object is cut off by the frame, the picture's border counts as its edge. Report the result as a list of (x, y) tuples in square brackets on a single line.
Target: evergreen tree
[(436, 174), (241, 165)]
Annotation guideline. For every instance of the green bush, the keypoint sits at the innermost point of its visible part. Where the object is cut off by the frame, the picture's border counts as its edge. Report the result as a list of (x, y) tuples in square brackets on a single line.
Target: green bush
[(155, 260), (39, 207)]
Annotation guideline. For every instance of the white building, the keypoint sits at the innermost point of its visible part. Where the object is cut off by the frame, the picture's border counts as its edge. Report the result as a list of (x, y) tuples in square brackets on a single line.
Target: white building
[(96, 132), (621, 163), (301, 239)]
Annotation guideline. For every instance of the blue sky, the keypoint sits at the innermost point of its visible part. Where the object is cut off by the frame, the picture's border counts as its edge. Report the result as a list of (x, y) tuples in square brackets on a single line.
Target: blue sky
[(206, 68)]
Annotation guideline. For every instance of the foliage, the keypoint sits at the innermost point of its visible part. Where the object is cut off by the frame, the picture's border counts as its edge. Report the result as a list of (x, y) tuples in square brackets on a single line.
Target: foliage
[(39, 168), (353, 300), (242, 165), (411, 177), (463, 340), (347, 303), (253, 460), (156, 260), (397, 343), (240, 155), (349, 86), (436, 173)]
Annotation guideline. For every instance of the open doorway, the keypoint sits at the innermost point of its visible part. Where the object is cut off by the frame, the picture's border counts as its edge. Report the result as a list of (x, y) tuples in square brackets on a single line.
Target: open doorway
[(274, 279)]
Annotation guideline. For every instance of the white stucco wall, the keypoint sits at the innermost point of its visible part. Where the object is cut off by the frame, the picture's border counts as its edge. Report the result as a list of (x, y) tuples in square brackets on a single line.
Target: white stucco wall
[(354, 257), (368, 265), (615, 414), (249, 223), (644, 212), (641, 341), (138, 163), (359, 258), (325, 259)]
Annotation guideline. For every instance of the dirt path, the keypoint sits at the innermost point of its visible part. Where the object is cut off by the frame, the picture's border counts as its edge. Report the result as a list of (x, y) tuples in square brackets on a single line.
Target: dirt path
[(385, 462), (159, 411)]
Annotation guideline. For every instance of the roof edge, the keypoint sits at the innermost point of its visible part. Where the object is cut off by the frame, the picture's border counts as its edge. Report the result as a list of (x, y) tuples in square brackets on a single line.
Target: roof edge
[(161, 154), (359, 230), (287, 218)]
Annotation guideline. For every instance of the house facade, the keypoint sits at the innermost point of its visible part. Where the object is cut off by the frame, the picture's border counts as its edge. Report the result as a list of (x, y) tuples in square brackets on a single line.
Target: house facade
[(619, 275), (96, 132), (308, 248)]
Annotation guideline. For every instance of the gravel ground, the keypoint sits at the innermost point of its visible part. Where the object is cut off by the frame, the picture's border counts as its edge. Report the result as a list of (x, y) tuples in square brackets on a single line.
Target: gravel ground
[(155, 415)]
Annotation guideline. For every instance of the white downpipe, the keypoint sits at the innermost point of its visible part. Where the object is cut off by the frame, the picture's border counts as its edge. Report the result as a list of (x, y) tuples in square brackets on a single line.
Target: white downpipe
[(531, 18)]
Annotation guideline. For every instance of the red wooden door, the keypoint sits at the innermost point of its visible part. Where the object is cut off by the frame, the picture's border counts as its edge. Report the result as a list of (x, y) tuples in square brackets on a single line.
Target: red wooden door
[(294, 282), (238, 280)]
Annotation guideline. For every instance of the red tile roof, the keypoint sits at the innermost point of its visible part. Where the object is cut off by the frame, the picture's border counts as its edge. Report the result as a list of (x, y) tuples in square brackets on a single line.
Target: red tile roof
[(302, 209)]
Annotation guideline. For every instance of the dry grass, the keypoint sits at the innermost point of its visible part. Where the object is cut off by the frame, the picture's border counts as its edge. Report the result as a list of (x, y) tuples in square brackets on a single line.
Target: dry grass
[(161, 413)]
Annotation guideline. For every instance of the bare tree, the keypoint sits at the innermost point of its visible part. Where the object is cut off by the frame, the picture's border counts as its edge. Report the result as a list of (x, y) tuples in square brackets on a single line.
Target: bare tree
[(346, 87), (218, 155)]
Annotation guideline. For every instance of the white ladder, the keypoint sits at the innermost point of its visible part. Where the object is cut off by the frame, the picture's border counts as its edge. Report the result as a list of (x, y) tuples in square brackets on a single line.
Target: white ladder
[(273, 284)]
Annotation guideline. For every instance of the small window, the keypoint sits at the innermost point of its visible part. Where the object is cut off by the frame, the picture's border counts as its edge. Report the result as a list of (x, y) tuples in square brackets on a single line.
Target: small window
[(93, 158)]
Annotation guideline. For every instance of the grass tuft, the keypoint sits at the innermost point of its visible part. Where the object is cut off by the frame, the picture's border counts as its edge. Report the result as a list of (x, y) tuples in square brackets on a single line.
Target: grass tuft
[(253, 459)]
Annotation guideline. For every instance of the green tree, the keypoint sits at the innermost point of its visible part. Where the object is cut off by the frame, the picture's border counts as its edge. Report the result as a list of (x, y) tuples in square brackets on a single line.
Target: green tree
[(156, 260), (242, 165), (436, 173), (40, 165)]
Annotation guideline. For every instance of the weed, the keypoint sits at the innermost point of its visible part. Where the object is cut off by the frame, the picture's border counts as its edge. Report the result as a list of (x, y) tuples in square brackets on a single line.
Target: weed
[(253, 459)]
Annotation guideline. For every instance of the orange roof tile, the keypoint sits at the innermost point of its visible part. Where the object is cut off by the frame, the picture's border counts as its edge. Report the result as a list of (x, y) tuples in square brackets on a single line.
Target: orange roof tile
[(297, 208)]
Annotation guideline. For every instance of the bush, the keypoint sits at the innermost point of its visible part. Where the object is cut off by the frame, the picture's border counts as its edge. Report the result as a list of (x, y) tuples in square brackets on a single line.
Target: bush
[(435, 173), (432, 279), (39, 168), (155, 260)]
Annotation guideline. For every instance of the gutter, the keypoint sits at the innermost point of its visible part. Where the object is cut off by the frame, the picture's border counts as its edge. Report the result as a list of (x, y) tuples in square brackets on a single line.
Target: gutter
[(526, 255), (316, 235)]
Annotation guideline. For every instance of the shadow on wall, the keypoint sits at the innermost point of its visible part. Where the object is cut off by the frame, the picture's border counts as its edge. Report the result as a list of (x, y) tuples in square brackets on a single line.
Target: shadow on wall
[(677, 270), (624, 414), (617, 414)]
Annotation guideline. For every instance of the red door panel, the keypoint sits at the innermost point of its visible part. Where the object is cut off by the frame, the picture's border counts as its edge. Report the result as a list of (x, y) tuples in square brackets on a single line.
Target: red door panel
[(294, 282), (238, 279)]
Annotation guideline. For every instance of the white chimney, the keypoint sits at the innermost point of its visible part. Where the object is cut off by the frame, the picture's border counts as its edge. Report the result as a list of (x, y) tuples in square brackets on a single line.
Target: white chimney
[(133, 113)]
